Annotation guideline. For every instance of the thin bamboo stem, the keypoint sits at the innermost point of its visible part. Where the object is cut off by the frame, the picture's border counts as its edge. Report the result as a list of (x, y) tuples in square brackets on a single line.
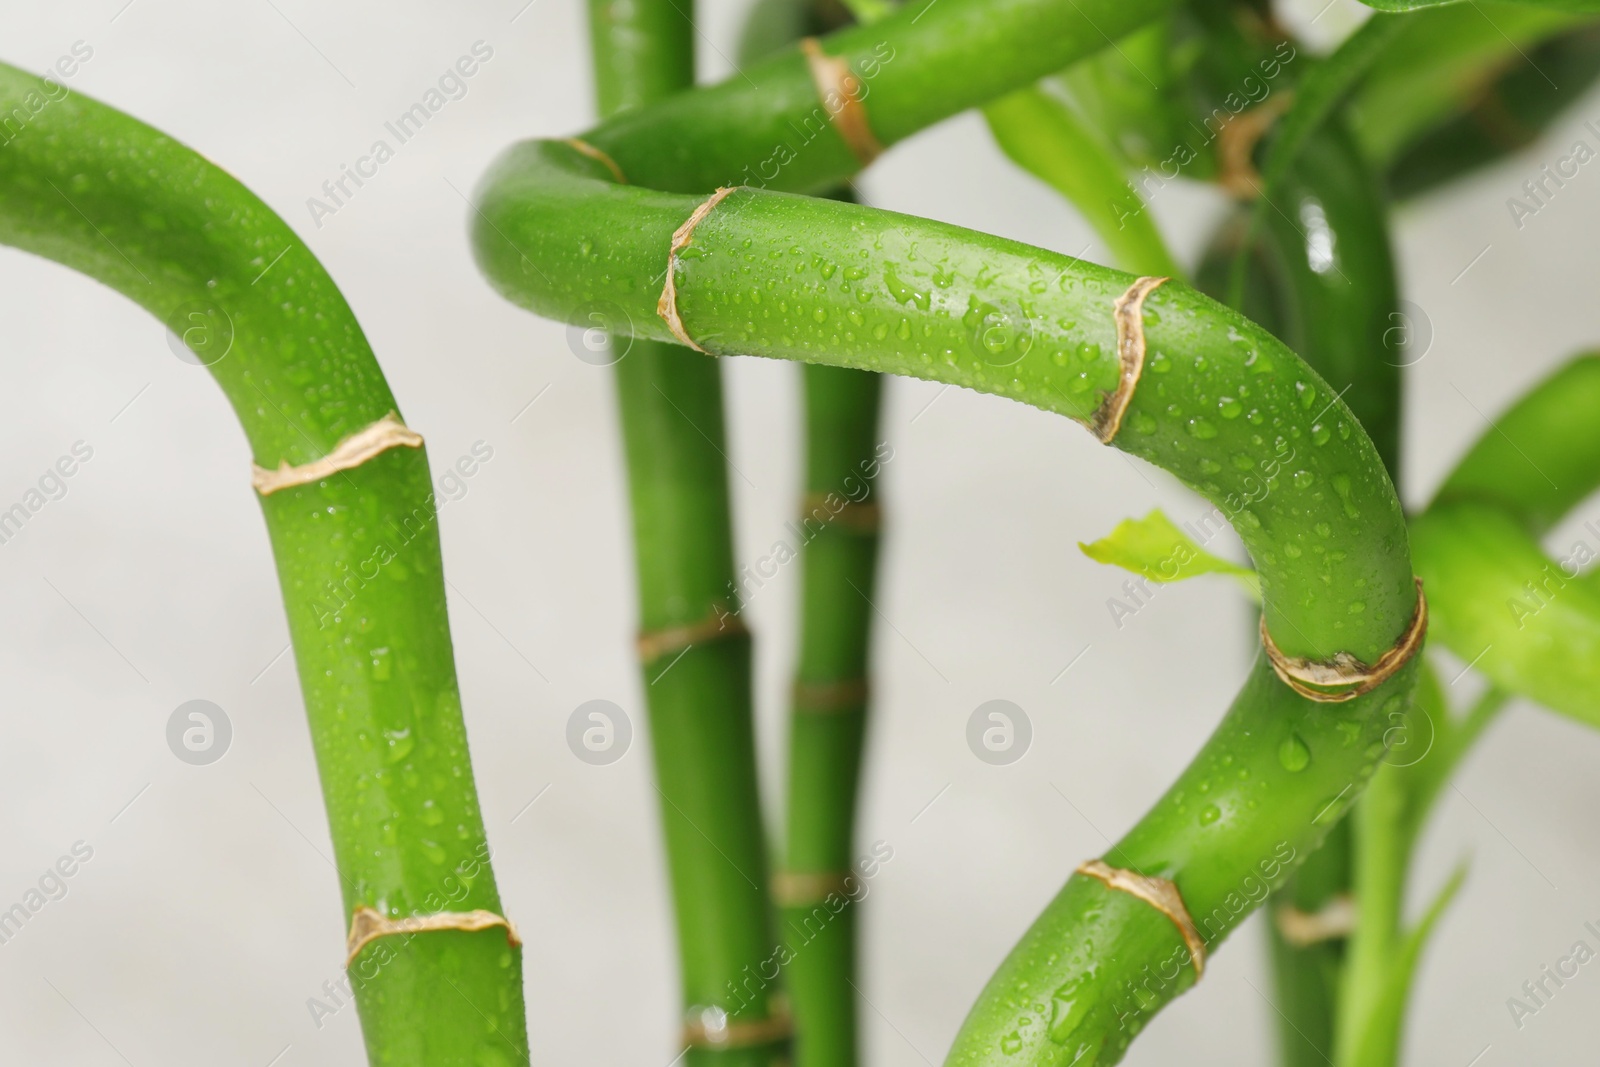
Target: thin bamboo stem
[(697, 675)]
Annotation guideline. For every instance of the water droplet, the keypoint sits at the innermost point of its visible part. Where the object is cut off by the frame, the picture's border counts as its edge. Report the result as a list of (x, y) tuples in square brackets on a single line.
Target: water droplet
[(1304, 479), (1294, 754), (1210, 814), (1202, 429), (1011, 1044), (1357, 607), (1341, 485), (1229, 408), (1320, 434)]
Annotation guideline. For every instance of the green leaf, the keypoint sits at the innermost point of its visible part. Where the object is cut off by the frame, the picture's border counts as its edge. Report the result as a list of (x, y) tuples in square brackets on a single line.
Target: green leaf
[(1154, 547), (1378, 1044)]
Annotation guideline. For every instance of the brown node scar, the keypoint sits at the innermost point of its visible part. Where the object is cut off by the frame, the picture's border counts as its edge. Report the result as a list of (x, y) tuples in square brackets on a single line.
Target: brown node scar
[(1302, 929), (732, 1033), (388, 432), (1236, 146), (368, 924), (1160, 894), (1305, 676), (720, 625), (795, 889), (667, 306), (1128, 313), (862, 517), (829, 698), (835, 81), (600, 157)]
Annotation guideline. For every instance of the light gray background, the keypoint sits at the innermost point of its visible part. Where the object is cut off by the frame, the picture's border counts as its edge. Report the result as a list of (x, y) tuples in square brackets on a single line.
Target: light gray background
[(209, 913)]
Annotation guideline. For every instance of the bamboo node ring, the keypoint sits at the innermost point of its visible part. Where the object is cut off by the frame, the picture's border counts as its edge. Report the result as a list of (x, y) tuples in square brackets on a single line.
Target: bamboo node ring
[(830, 698), (714, 1028), (720, 625), (855, 516), (1160, 894), (1310, 677), (585, 148), (1335, 919), (798, 889), (839, 90), (368, 924), (1128, 313), (667, 306), (388, 432)]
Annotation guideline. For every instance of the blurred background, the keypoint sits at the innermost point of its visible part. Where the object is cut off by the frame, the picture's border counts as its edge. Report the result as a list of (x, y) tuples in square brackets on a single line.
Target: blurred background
[(207, 913)]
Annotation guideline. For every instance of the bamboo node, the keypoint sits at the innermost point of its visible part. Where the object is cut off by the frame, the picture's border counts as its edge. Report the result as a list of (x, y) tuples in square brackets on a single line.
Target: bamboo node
[(667, 306), (712, 1027), (1335, 919), (388, 432), (856, 516), (1128, 313), (830, 698), (1236, 144), (799, 889), (835, 80), (1160, 894), (585, 148), (720, 625), (368, 924), (1305, 676)]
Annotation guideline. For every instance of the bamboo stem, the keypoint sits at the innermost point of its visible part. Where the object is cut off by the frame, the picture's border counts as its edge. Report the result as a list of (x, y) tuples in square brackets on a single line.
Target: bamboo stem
[(357, 549), (762, 273), (698, 683)]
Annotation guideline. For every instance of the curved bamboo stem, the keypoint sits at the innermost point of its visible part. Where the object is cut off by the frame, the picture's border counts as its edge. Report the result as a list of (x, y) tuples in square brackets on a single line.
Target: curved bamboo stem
[(763, 273), (357, 549)]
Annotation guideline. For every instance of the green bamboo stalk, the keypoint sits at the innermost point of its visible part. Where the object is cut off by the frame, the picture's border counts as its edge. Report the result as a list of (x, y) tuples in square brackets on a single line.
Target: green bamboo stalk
[(819, 887), (1383, 952), (1321, 277), (828, 713), (767, 274), (697, 670), (357, 552)]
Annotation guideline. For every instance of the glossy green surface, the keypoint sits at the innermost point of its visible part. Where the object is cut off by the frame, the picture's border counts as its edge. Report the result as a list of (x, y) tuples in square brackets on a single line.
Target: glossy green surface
[(357, 554), (669, 402), (1223, 405)]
